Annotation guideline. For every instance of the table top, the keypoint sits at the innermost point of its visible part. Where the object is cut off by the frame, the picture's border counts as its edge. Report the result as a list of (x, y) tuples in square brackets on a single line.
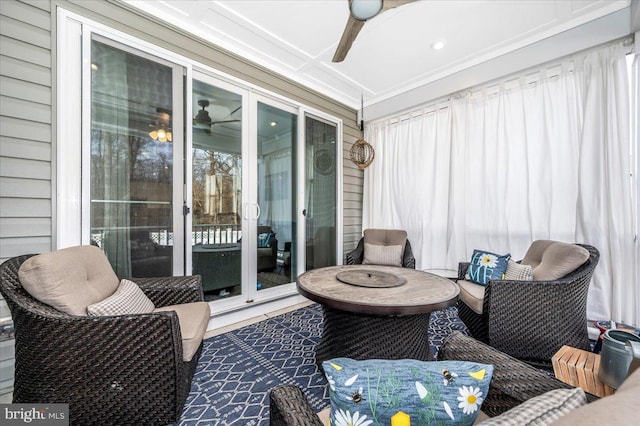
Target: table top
[(422, 293)]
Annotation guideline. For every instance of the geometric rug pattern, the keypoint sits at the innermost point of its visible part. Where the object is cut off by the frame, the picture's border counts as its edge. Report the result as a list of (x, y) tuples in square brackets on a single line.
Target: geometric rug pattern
[(238, 369)]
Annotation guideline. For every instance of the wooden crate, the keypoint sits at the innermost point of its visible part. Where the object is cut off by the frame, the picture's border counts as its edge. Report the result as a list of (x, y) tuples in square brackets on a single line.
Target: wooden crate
[(579, 368)]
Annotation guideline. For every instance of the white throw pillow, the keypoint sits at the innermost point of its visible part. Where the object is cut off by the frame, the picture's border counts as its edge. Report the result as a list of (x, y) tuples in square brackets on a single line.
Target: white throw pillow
[(518, 272), (128, 299), (382, 255)]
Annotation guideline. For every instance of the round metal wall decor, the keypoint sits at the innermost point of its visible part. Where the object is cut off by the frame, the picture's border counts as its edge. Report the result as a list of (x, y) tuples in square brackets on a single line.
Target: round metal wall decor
[(362, 154), (324, 162)]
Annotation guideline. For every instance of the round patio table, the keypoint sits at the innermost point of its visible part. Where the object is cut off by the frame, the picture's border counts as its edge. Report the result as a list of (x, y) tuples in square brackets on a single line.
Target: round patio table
[(376, 322)]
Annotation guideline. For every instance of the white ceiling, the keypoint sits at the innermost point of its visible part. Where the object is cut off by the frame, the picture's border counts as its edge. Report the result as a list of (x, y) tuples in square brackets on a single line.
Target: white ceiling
[(392, 56)]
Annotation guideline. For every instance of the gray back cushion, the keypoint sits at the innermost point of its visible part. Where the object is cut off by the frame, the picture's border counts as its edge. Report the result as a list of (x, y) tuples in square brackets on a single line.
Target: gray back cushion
[(385, 237), (384, 246), (69, 279), (551, 260)]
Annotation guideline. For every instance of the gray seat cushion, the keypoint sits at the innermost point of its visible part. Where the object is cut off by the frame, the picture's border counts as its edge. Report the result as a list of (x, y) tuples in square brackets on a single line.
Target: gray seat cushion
[(69, 279), (193, 318), (472, 295)]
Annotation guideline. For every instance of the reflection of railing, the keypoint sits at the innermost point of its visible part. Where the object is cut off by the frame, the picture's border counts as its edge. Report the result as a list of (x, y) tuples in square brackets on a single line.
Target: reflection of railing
[(200, 234), (215, 234)]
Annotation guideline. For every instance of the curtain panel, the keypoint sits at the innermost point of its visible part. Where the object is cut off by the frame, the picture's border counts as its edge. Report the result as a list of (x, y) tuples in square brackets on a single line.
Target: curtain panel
[(545, 158)]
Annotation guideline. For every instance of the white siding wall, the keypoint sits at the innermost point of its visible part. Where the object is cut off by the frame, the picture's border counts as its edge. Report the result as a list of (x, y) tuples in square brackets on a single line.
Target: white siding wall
[(27, 185)]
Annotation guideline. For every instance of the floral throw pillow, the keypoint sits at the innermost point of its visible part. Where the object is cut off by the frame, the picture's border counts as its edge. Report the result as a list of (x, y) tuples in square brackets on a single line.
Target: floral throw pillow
[(264, 239), (385, 392), (486, 266)]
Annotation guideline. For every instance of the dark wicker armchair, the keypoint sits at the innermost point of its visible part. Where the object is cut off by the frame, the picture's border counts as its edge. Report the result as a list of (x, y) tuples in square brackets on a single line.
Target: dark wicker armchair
[(125, 369), (531, 320), (513, 382), (356, 256)]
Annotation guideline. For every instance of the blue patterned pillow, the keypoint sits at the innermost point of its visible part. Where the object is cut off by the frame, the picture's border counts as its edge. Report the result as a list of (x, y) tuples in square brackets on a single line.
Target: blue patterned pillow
[(264, 239), (372, 392), (486, 266)]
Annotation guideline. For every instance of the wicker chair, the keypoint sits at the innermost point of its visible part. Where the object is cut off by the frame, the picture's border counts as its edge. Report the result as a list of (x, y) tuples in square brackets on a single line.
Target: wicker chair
[(513, 382), (531, 320), (125, 369), (356, 256)]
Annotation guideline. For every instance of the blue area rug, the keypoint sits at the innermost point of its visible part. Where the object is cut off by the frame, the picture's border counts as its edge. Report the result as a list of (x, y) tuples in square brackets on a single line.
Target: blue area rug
[(237, 369)]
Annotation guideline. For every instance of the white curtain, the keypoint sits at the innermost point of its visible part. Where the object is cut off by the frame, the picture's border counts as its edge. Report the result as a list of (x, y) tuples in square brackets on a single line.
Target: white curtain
[(539, 158), (275, 205)]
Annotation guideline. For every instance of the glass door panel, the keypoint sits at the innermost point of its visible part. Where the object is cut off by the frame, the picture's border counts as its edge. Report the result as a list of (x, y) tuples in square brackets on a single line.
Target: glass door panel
[(276, 191), (131, 161), (320, 193), (217, 190)]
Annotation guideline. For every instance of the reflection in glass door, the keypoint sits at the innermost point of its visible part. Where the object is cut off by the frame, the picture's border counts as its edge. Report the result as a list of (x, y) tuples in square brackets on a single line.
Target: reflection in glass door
[(217, 190), (320, 193), (132, 160), (277, 139)]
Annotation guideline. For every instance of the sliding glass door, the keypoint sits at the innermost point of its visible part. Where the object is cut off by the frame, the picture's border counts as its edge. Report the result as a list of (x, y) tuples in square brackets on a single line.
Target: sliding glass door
[(277, 133), (133, 159), (320, 192), (172, 168), (245, 197), (217, 192)]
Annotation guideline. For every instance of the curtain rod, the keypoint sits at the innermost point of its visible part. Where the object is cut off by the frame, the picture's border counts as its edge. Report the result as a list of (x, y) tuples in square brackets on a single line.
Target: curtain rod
[(431, 106)]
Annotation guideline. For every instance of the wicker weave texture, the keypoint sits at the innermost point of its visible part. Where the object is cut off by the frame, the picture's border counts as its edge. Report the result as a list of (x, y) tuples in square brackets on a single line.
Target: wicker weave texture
[(288, 406), (531, 320), (513, 381), (356, 256), (111, 370), (360, 336)]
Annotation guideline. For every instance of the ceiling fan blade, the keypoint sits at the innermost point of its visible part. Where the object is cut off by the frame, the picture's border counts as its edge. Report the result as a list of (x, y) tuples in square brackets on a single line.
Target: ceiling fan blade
[(390, 4), (224, 121), (354, 26), (348, 36)]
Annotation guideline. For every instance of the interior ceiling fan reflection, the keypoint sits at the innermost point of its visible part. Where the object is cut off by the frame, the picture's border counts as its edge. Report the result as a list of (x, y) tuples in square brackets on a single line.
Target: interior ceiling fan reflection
[(202, 121), (360, 12)]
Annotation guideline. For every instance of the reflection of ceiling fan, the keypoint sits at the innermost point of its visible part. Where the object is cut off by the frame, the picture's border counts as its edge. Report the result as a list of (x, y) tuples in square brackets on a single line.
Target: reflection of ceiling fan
[(202, 122), (360, 12)]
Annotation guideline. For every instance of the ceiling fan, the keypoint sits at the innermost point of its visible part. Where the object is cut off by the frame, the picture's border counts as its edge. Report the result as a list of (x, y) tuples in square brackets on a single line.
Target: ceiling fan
[(202, 121), (360, 12)]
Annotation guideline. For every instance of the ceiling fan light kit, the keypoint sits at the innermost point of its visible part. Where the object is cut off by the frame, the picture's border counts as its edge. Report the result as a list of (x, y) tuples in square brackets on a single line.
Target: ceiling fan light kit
[(161, 130), (202, 120), (365, 9)]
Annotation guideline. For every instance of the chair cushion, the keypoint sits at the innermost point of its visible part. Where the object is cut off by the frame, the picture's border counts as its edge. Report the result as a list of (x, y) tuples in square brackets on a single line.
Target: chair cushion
[(128, 299), (193, 318), (517, 272), (472, 295), (486, 266), (382, 255), (541, 410), (69, 279), (385, 237), (432, 392), (551, 260), (384, 246)]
